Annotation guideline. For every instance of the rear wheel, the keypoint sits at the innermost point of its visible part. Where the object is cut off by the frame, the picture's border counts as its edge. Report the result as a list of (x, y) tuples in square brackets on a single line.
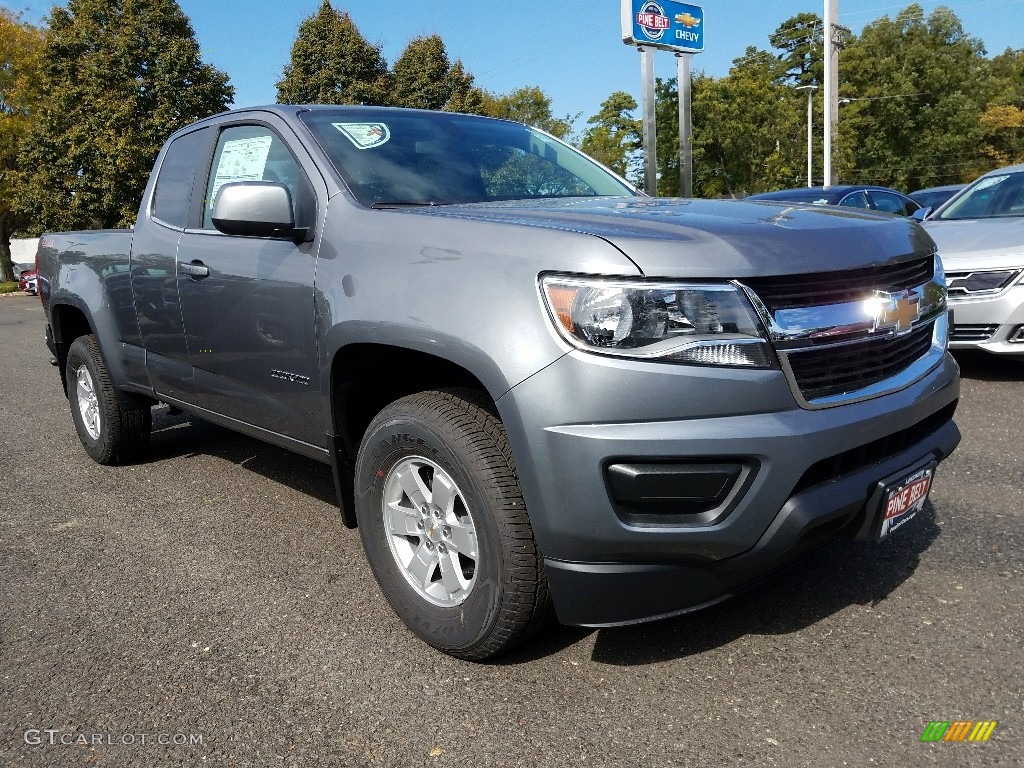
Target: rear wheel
[(442, 519), (114, 427)]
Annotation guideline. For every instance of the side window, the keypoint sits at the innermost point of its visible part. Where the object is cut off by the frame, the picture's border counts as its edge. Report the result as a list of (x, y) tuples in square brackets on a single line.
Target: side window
[(256, 153), (173, 191), (855, 200), (887, 202)]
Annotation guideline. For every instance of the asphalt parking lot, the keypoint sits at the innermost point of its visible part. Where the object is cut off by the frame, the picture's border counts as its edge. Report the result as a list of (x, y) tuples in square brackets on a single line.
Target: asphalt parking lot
[(208, 608)]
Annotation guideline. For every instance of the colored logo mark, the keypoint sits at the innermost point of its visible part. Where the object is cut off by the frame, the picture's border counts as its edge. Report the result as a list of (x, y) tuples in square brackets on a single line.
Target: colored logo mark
[(959, 730), (653, 21), (687, 19)]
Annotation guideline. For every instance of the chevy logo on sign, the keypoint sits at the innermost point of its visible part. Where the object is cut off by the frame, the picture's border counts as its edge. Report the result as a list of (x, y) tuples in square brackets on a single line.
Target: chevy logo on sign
[(663, 24)]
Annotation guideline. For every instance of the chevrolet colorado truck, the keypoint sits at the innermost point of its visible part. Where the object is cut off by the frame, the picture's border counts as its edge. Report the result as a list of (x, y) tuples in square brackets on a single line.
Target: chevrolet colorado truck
[(540, 391)]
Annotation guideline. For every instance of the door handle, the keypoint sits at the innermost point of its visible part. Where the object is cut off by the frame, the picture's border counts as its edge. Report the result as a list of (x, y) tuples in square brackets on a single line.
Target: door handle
[(195, 269)]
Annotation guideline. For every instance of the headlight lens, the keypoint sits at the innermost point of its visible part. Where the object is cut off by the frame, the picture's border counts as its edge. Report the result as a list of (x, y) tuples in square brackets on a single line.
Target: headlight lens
[(699, 324)]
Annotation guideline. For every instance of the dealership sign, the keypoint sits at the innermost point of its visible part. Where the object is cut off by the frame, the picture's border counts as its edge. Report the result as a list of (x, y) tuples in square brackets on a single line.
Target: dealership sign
[(663, 24)]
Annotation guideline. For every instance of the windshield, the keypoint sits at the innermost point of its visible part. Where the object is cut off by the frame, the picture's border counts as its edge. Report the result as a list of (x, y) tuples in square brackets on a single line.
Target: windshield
[(409, 157), (989, 197)]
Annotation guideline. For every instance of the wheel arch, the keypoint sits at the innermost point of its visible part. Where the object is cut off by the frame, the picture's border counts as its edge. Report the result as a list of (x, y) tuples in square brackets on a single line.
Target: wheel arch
[(364, 378), (68, 322)]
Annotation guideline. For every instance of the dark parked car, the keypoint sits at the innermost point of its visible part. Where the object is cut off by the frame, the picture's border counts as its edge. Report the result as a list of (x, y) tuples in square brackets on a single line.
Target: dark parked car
[(933, 197), (850, 196)]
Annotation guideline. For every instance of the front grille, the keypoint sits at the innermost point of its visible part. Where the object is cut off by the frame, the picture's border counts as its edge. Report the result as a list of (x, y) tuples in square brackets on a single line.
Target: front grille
[(834, 467), (838, 370), (980, 282), (792, 291), (972, 332)]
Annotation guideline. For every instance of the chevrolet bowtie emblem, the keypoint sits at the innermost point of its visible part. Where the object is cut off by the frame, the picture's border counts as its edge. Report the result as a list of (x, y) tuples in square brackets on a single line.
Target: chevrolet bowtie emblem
[(893, 311)]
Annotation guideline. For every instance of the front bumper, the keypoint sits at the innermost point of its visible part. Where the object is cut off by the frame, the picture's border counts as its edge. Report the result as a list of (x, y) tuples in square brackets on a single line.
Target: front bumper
[(813, 472), (988, 323)]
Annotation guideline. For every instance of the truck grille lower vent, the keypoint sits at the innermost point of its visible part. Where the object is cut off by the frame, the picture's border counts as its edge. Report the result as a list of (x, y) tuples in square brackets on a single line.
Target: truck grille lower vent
[(838, 370), (874, 452)]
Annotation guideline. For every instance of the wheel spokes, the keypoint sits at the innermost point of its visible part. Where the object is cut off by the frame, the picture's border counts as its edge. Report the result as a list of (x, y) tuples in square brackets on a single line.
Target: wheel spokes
[(88, 403), (430, 531)]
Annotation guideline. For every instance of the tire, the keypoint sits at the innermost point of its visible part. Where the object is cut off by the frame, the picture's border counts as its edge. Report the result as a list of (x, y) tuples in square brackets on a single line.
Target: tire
[(114, 427), (444, 526)]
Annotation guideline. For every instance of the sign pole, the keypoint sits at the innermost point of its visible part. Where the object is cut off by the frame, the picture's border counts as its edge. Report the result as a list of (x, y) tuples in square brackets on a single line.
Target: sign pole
[(664, 25), (650, 137), (685, 125)]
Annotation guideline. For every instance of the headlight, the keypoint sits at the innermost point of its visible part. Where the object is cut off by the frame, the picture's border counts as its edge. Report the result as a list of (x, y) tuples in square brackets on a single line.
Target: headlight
[(699, 324)]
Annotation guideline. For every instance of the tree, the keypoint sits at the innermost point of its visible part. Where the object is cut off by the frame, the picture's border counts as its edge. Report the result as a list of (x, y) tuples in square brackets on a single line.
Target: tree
[(529, 105), (117, 78), (424, 79), (747, 129), (1003, 119), (918, 88), (332, 63), (615, 135), (464, 96), (799, 39), (20, 48)]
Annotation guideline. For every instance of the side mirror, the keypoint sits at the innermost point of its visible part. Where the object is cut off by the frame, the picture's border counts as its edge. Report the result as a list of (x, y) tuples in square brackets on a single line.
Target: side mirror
[(255, 209), (920, 214)]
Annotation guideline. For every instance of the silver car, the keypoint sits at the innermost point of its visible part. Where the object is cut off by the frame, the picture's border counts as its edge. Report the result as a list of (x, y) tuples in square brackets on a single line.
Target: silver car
[(980, 234)]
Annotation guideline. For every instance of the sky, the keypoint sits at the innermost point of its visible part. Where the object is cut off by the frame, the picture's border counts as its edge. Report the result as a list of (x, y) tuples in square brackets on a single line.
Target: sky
[(572, 51)]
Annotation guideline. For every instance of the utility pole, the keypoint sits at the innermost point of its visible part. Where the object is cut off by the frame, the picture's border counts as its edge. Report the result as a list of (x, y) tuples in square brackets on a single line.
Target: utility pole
[(832, 37), (810, 89)]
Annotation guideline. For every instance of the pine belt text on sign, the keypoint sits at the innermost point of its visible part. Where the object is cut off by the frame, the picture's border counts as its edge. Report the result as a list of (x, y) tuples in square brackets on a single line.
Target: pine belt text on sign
[(653, 21)]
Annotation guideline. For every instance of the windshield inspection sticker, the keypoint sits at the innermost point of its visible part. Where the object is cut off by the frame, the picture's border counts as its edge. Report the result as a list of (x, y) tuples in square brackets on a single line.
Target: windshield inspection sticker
[(365, 135)]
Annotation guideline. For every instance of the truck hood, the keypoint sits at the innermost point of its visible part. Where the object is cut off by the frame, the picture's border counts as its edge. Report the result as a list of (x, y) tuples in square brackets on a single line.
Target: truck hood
[(668, 237), (979, 243)]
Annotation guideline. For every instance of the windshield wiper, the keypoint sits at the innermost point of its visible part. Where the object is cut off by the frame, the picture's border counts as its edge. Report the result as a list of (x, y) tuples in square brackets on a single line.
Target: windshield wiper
[(405, 204)]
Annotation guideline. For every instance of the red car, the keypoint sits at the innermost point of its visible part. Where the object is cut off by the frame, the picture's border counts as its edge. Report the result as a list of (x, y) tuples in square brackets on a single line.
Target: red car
[(29, 281)]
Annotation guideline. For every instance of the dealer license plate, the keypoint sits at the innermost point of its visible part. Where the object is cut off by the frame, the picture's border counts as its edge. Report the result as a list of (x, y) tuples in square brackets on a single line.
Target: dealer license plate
[(903, 500)]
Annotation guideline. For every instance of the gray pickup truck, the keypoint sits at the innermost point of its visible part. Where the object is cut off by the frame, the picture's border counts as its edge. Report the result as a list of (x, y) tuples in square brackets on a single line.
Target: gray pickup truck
[(539, 390)]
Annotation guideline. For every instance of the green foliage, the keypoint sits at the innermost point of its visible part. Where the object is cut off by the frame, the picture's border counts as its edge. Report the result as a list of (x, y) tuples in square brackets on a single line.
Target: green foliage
[(1003, 119), (421, 74), (20, 47), (529, 105), (800, 41), (332, 63), (615, 135), (746, 130), (424, 79), (117, 79), (918, 93), (8, 287), (464, 96)]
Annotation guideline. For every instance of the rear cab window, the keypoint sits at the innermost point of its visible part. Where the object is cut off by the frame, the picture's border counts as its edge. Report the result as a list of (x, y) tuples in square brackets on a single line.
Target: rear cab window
[(172, 193)]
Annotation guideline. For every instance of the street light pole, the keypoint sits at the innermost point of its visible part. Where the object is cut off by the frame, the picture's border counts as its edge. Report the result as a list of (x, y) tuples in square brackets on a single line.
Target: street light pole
[(810, 130)]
